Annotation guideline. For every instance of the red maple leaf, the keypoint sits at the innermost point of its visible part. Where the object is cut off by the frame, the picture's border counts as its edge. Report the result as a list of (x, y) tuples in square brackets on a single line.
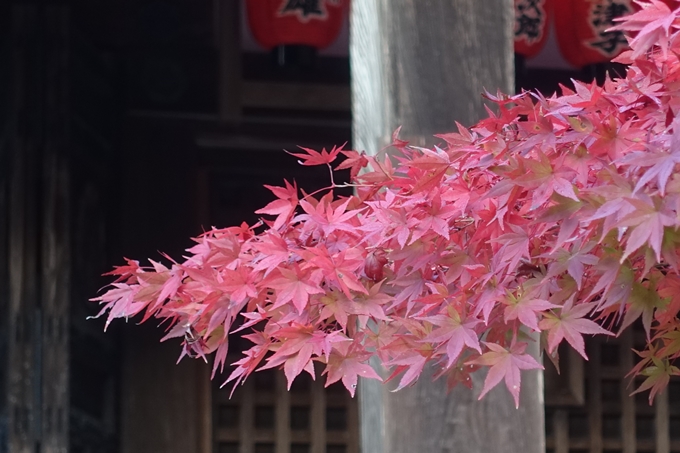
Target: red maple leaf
[(311, 157), (326, 217), (505, 364), (298, 344), (125, 272), (252, 357), (273, 251), (515, 247), (525, 309), (338, 269), (347, 361), (455, 333), (294, 285), (355, 162), (284, 207), (543, 180), (649, 221), (653, 23), (571, 324)]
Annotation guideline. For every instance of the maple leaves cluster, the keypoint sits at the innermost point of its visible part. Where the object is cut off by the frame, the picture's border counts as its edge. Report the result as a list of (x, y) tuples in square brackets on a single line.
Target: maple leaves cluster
[(555, 215)]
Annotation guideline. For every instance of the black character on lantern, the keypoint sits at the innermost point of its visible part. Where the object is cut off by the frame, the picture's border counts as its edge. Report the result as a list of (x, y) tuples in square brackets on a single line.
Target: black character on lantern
[(305, 9), (529, 20), (602, 17)]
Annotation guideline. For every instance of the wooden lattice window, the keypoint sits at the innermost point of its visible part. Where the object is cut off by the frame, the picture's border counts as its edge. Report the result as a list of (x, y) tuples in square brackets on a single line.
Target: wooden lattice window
[(604, 418), (263, 417)]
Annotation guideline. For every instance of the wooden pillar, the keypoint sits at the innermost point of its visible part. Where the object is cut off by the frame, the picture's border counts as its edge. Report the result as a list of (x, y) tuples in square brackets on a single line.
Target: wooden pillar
[(5, 93), (422, 64), (228, 42), (37, 247)]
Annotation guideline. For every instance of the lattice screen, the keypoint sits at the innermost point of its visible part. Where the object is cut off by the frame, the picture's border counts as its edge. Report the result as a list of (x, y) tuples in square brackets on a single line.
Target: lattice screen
[(262, 417), (608, 420), (588, 410)]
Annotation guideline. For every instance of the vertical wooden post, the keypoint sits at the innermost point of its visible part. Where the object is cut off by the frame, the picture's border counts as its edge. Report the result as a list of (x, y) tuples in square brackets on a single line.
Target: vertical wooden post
[(595, 397), (227, 41), (38, 230), (4, 300), (55, 260), (318, 413), (422, 65), (21, 254), (283, 431), (661, 423), (246, 417), (5, 175), (628, 436), (561, 430)]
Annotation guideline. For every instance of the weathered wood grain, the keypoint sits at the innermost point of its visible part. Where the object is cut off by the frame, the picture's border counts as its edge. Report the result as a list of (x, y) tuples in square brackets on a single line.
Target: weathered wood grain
[(422, 65), (38, 230)]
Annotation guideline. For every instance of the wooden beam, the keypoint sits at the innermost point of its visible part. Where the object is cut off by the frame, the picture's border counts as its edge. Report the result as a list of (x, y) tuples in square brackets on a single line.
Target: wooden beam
[(296, 96), (227, 41)]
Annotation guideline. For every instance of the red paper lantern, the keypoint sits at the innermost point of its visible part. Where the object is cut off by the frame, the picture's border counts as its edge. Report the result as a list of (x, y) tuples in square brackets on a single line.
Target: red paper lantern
[(532, 23), (314, 23), (581, 28)]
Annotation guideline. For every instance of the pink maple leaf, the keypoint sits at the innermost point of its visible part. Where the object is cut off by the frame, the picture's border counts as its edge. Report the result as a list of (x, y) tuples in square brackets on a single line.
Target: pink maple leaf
[(515, 247), (355, 162), (525, 309), (455, 333), (649, 220), (298, 344), (347, 361), (284, 207), (505, 364), (311, 157), (338, 269), (273, 251), (326, 218), (570, 324), (295, 285), (653, 23)]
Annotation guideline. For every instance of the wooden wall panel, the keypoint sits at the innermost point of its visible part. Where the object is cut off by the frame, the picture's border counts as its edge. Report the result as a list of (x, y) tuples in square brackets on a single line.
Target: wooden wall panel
[(164, 404), (262, 416), (610, 419)]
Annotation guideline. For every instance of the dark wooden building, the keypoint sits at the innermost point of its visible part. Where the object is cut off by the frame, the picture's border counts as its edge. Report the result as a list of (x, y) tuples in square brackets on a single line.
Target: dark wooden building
[(128, 127)]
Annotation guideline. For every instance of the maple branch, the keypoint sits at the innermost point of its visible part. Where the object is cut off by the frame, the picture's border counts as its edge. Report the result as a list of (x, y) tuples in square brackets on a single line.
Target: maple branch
[(559, 216)]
